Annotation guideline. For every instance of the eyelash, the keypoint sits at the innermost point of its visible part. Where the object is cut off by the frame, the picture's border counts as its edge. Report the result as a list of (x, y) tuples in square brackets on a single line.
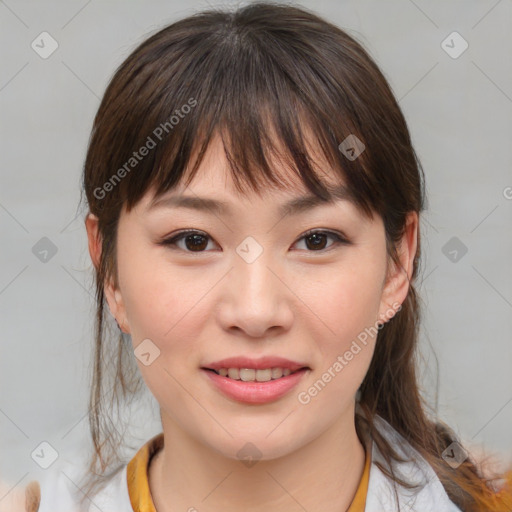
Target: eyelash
[(338, 239)]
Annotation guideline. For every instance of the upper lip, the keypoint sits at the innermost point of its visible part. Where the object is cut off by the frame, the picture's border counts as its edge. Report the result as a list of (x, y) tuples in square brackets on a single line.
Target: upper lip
[(258, 364)]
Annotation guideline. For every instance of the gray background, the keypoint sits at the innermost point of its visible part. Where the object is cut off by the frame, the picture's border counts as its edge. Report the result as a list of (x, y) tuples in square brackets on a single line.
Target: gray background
[(460, 115)]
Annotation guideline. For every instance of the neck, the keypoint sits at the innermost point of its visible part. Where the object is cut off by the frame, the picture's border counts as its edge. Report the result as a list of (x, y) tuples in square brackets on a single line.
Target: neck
[(322, 476)]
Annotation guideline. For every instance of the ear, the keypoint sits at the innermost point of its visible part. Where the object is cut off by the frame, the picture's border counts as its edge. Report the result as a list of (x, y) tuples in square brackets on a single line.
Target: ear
[(396, 285), (112, 294)]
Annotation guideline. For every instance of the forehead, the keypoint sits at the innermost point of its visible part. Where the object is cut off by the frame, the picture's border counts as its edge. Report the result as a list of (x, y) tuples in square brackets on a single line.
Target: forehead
[(214, 178)]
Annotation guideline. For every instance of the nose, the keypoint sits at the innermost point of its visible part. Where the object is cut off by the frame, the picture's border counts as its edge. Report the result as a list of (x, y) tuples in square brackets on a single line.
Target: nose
[(256, 299)]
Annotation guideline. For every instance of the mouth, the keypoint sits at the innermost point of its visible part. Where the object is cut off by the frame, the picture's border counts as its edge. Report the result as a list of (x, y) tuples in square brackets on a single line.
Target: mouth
[(255, 374), (255, 381)]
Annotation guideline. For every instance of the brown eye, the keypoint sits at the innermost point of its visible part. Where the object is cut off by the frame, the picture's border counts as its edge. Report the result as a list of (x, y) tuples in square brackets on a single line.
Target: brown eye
[(195, 241), (316, 240)]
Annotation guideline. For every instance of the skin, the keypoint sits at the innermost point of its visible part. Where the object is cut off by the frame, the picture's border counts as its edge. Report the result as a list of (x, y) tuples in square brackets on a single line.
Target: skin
[(19, 499), (294, 301)]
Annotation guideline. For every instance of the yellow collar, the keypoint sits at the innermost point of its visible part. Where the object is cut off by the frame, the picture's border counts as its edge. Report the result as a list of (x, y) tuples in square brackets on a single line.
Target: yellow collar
[(140, 495)]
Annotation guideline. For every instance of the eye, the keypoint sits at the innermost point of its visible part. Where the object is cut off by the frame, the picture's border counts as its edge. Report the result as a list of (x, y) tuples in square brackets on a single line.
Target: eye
[(194, 241), (316, 239), (197, 241)]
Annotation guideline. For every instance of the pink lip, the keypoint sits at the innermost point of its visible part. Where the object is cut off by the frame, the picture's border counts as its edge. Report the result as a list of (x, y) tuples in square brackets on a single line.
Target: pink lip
[(255, 392), (257, 364)]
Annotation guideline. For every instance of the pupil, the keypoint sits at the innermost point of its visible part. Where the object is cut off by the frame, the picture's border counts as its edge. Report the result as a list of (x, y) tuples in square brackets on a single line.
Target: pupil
[(314, 237), (196, 242)]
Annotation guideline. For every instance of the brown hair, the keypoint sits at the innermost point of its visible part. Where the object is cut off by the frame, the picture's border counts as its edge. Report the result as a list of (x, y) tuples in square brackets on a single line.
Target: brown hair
[(244, 74)]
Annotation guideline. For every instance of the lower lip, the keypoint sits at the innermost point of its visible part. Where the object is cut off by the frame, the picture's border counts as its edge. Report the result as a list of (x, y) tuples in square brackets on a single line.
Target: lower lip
[(255, 392)]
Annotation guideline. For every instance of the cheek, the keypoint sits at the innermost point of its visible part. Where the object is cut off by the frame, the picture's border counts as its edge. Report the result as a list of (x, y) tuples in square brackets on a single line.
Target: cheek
[(345, 299), (349, 307), (158, 299), (165, 308)]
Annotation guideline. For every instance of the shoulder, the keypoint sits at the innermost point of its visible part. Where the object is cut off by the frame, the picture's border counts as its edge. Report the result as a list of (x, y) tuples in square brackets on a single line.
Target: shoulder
[(381, 493), (12, 497), (60, 492)]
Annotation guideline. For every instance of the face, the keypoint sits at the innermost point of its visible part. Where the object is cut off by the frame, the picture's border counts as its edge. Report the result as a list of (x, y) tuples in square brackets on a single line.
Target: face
[(248, 283)]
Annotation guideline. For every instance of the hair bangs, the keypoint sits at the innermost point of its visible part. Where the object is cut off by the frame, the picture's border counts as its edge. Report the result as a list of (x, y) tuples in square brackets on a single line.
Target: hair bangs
[(266, 115)]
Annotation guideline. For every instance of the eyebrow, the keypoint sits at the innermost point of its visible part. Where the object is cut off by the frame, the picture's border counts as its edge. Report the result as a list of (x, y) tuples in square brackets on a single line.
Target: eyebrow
[(292, 207)]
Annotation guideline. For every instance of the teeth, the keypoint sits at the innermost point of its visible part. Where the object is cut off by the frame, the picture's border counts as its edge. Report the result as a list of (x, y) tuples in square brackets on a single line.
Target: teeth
[(263, 375), (252, 375), (233, 373), (277, 372), (247, 374)]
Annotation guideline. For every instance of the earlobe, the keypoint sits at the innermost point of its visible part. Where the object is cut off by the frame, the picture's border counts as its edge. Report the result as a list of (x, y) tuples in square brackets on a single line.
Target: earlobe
[(116, 306)]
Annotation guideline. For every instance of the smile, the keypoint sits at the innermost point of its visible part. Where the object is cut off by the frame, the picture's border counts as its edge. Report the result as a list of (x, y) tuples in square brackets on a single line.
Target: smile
[(253, 374), (244, 385)]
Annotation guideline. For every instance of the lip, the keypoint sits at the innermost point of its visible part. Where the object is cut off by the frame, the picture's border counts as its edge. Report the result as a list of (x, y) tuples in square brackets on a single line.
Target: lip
[(258, 364), (254, 392)]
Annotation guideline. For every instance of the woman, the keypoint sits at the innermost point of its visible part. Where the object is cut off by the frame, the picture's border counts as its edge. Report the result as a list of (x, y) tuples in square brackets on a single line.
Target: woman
[(254, 204)]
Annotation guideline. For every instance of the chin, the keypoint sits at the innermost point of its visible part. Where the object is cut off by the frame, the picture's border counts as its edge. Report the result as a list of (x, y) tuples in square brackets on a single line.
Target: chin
[(256, 446)]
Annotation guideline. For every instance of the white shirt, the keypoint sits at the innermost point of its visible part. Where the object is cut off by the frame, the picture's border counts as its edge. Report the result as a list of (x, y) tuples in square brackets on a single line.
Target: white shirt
[(56, 490)]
